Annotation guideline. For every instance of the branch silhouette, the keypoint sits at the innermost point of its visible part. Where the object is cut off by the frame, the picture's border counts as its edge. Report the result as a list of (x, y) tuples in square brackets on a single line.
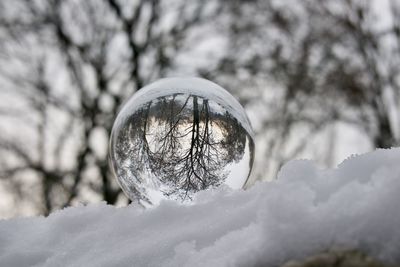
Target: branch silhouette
[(179, 144)]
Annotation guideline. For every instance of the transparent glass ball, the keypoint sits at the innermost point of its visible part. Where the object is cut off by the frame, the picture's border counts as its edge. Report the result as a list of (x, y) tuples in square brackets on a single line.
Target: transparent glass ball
[(178, 136)]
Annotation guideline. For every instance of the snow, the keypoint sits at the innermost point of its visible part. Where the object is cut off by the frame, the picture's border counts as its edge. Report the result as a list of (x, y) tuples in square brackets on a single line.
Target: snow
[(304, 212)]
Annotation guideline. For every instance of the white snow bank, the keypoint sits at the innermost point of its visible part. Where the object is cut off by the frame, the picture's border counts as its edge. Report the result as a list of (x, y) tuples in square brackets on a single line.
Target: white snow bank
[(304, 212)]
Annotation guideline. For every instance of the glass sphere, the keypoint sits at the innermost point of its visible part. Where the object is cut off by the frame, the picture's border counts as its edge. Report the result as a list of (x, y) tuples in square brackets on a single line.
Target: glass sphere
[(178, 136)]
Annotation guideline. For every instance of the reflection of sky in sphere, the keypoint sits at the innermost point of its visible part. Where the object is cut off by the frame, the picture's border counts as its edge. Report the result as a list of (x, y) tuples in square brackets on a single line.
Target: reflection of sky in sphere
[(175, 145), (157, 127)]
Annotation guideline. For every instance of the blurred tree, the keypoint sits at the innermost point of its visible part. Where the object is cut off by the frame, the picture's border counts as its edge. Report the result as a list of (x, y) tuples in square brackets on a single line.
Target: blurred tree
[(304, 66), (317, 63), (66, 67)]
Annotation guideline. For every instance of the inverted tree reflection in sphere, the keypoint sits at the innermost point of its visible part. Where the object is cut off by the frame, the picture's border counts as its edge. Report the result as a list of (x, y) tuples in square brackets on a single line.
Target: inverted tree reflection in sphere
[(178, 136)]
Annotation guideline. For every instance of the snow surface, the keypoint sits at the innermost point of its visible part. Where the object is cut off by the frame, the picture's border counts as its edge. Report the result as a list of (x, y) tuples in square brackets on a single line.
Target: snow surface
[(303, 212)]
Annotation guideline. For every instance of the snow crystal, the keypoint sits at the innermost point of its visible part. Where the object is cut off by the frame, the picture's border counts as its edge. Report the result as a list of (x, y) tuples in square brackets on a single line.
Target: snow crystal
[(305, 211)]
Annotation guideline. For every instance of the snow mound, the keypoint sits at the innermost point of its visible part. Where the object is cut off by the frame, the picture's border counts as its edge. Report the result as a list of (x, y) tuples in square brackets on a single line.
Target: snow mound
[(303, 212)]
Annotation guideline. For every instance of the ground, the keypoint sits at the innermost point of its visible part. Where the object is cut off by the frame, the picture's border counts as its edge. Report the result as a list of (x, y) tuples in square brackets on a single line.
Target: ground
[(297, 220)]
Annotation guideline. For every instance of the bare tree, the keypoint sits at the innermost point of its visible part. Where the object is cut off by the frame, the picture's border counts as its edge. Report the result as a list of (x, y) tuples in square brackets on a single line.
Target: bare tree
[(179, 144), (66, 67), (318, 63)]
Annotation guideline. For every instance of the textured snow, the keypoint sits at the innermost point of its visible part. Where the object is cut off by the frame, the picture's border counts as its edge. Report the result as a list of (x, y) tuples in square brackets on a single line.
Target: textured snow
[(303, 212)]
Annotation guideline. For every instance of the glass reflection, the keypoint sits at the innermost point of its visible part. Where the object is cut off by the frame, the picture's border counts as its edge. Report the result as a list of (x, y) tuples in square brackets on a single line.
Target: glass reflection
[(176, 145)]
